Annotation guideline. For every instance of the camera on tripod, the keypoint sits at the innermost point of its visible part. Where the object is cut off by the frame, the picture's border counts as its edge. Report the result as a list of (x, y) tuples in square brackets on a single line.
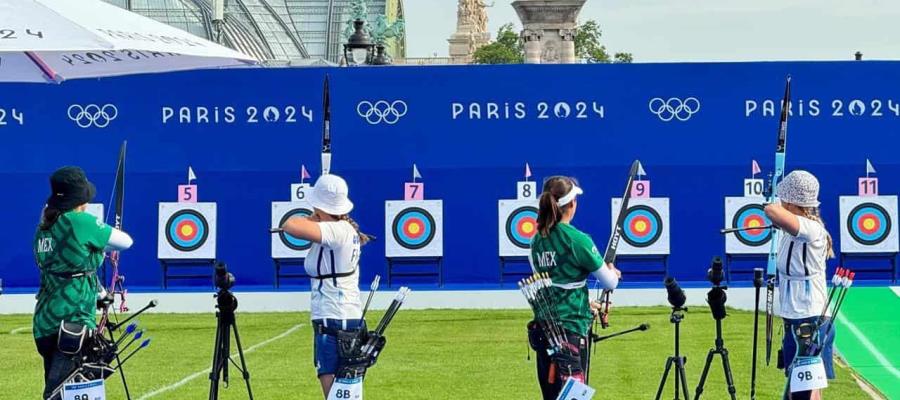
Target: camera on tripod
[(716, 297), (224, 280)]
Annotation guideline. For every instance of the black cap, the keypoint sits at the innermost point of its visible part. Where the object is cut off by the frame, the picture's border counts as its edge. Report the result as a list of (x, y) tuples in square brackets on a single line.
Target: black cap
[(70, 188)]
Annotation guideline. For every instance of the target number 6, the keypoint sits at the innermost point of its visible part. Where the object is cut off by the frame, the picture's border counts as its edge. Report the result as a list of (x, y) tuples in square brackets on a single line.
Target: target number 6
[(187, 193), (640, 189), (868, 186), (753, 188), (298, 191), (414, 191)]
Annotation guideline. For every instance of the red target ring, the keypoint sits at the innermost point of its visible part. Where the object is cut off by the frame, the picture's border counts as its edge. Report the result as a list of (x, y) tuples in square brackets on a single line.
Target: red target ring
[(754, 221), (186, 230), (414, 228), (641, 226), (869, 223)]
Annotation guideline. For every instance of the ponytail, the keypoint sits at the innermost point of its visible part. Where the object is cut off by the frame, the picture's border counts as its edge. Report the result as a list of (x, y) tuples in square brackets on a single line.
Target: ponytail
[(549, 211), (814, 214), (48, 217), (363, 238)]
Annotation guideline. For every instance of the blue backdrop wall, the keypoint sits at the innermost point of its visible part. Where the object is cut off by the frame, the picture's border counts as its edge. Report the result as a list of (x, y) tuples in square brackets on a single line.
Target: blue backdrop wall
[(470, 129)]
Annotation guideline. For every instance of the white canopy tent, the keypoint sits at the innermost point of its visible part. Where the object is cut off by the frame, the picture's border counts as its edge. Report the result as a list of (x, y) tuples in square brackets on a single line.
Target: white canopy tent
[(55, 40)]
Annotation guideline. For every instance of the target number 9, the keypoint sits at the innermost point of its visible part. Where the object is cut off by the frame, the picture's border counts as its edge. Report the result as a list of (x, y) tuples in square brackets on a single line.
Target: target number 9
[(868, 186), (753, 188), (526, 190), (640, 189), (187, 193)]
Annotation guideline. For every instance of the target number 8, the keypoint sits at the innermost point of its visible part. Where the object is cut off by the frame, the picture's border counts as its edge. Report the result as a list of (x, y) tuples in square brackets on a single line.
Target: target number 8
[(753, 188), (526, 190)]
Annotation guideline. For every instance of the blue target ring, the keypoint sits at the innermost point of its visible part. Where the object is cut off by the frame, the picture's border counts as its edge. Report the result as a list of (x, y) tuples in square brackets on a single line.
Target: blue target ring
[(642, 226), (413, 228), (521, 226), (869, 224), (187, 230), (750, 216), (292, 242)]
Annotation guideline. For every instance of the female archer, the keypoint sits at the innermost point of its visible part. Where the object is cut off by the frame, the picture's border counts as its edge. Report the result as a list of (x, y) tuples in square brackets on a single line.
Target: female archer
[(69, 246), (568, 256), (801, 266)]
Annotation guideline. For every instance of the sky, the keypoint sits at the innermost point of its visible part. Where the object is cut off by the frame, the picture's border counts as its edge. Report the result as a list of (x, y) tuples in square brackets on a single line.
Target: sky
[(701, 30)]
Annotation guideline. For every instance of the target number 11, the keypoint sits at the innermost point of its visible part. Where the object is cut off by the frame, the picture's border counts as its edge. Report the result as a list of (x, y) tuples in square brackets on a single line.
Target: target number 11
[(868, 186)]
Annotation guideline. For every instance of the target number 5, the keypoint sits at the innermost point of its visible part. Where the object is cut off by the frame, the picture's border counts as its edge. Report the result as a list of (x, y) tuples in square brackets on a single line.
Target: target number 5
[(640, 189), (868, 186), (526, 190), (187, 193), (753, 188), (414, 191)]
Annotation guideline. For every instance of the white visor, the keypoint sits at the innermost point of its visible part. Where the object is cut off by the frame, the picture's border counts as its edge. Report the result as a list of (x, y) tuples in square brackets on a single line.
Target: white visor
[(570, 196)]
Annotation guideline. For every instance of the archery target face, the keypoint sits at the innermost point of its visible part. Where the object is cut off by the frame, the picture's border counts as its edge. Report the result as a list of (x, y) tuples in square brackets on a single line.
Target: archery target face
[(517, 225), (283, 244), (187, 231), (414, 228), (869, 224), (746, 212), (645, 229)]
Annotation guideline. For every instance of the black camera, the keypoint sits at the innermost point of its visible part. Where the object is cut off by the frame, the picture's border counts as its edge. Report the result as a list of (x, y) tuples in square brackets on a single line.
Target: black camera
[(716, 273), (224, 279), (675, 294)]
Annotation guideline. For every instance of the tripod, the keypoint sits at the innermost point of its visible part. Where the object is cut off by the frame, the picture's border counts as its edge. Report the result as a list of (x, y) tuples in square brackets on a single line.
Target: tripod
[(757, 283), (722, 351), (226, 303), (677, 360)]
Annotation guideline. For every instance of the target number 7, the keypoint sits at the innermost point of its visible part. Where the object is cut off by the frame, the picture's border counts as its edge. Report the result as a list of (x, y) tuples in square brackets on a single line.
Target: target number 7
[(868, 186), (414, 191), (187, 193), (640, 189)]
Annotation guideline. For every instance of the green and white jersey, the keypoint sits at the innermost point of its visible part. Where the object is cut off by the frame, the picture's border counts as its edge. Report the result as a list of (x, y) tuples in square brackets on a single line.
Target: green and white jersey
[(569, 256), (73, 245)]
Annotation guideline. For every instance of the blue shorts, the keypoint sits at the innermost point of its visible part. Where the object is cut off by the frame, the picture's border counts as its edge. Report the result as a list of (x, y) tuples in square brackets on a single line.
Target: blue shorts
[(325, 345), (789, 347)]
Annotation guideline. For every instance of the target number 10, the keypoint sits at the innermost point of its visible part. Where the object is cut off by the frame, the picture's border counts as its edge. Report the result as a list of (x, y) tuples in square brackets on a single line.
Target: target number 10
[(868, 186), (753, 188)]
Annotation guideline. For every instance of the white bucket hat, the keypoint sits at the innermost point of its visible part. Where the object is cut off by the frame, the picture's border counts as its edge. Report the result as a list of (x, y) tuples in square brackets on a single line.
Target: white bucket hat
[(330, 195), (799, 188)]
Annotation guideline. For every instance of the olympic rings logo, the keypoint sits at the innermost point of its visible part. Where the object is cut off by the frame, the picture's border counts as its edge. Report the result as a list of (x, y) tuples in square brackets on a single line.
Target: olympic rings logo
[(674, 108), (92, 115), (381, 111)]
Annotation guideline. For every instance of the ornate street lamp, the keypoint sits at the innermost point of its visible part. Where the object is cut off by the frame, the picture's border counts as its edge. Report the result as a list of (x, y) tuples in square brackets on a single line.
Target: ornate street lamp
[(380, 57), (358, 49)]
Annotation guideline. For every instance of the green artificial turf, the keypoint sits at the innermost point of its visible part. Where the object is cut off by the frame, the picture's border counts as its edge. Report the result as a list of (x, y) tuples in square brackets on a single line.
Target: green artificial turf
[(433, 354)]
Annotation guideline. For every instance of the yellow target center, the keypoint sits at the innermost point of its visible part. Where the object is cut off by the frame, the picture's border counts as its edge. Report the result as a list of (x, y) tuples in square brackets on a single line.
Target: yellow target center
[(528, 227), (754, 223), (869, 223), (640, 226), (187, 230), (414, 228)]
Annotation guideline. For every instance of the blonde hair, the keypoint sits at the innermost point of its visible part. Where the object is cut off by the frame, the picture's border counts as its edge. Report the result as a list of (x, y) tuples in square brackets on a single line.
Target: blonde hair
[(813, 214)]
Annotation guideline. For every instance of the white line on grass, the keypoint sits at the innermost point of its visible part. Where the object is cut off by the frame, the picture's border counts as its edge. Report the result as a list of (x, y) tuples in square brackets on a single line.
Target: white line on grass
[(896, 290), (870, 347), (20, 330), (206, 371)]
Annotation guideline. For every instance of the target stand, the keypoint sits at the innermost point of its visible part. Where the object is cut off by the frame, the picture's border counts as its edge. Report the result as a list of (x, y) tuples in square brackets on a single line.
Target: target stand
[(288, 251), (186, 240), (749, 246), (414, 237), (516, 225), (869, 232), (645, 234)]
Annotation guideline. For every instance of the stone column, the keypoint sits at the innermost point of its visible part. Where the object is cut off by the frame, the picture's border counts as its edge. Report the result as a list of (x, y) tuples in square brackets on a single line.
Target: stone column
[(548, 29)]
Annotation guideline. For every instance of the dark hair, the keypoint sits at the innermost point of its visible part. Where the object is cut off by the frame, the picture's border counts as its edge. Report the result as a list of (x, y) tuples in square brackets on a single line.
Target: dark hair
[(363, 238), (549, 211), (49, 217)]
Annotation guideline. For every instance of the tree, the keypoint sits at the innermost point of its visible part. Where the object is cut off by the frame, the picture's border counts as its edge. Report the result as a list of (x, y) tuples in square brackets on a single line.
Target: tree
[(505, 50), (588, 47)]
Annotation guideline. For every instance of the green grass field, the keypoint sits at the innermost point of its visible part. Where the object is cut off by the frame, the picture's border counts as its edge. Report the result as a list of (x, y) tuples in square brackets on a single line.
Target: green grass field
[(435, 354)]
